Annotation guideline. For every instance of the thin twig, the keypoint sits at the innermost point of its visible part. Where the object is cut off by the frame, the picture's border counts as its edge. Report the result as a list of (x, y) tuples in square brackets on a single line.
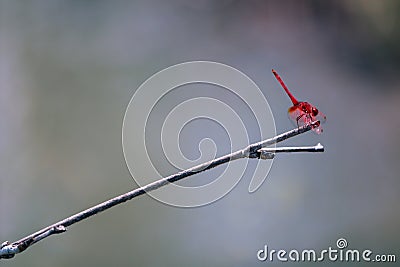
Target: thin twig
[(8, 250), (269, 153), (317, 148)]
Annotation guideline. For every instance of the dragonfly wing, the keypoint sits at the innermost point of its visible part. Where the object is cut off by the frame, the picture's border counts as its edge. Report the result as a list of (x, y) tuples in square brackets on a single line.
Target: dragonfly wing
[(301, 118), (298, 117)]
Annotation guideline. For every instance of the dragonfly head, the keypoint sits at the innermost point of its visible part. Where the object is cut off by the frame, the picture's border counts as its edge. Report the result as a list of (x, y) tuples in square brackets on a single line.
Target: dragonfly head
[(314, 111)]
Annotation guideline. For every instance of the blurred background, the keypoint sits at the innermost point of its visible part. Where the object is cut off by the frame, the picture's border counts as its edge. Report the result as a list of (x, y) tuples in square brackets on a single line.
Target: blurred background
[(69, 69)]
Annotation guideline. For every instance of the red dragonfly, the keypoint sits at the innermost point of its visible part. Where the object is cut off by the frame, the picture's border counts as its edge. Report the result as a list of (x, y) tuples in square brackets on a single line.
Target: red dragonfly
[(302, 113)]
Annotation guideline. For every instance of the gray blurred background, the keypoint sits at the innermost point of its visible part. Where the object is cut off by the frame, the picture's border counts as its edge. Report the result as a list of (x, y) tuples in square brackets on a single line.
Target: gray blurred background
[(69, 69)]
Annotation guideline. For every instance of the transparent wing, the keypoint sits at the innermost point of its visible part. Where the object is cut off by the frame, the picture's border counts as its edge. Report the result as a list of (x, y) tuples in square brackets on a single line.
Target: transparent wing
[(301, 115)]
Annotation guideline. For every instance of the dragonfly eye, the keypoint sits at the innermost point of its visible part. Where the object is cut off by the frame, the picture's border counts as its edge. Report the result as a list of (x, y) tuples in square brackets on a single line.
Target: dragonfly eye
[(314, 111)]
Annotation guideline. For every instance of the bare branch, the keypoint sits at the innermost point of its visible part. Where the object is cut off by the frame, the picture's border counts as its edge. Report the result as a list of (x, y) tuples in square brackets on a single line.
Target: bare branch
[(269, 153), (8, 250)]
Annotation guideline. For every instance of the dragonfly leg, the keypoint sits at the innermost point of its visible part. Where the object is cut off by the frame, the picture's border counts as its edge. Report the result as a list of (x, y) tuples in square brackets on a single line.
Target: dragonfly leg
[(298, 118)]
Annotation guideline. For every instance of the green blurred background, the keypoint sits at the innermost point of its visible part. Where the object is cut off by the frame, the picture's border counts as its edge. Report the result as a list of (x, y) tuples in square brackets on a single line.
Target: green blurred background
[(69, 69)]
